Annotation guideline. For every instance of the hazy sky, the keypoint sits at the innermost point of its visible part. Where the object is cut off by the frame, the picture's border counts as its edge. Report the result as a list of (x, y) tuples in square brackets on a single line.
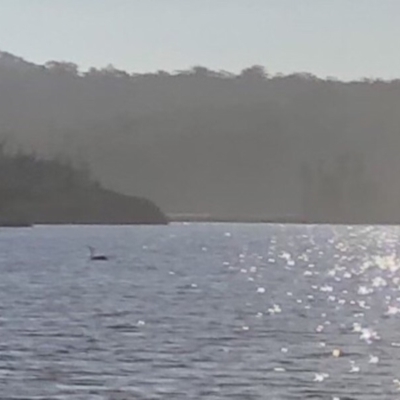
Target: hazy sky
[(343, 38)]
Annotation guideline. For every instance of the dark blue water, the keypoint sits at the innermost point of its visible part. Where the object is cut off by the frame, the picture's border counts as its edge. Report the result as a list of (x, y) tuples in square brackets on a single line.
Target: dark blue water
[(200, 311)]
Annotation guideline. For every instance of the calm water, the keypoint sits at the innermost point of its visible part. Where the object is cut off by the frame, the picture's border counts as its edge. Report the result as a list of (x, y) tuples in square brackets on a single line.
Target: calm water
[(200, 311)]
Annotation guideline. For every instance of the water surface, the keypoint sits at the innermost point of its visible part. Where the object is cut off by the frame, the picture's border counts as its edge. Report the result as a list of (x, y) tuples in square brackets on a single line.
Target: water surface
[(200, 311)]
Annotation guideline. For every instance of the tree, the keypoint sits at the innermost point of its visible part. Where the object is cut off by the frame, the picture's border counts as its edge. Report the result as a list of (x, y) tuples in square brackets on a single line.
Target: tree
[(62, 68), (254, 73)]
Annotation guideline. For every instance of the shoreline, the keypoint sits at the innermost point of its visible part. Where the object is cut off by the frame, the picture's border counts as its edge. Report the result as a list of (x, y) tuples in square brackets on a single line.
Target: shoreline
[(276, 220), (196, 219)]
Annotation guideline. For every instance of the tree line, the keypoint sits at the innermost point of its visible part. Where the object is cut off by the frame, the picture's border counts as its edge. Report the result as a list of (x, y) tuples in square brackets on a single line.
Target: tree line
[(204, 141)]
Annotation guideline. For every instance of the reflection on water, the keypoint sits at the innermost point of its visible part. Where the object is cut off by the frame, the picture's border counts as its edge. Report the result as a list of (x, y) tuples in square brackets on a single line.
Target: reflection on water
[(196, 311)]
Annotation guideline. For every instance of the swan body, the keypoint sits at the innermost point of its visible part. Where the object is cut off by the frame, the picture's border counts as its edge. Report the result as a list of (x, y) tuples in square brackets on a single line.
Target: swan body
[(98, 257)]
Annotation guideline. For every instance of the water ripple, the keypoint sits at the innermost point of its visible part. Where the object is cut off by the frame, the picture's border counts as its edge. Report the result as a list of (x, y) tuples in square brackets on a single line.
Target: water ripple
[(200, 311)]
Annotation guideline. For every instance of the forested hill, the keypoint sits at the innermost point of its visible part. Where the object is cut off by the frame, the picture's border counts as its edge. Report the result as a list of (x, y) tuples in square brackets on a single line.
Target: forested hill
[(37, 191), (212, 142)]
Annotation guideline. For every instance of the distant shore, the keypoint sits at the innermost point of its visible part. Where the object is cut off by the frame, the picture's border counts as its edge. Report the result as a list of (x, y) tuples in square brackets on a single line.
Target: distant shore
[(235, 219), (170, 218), (83, 206), (293, 220)]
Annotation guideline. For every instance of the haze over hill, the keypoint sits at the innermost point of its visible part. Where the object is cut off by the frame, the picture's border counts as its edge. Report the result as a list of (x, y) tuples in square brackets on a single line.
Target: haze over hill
[(211, 142)]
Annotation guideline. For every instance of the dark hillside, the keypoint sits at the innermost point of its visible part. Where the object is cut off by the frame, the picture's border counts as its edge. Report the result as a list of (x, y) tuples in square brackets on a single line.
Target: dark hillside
[(41, 191)]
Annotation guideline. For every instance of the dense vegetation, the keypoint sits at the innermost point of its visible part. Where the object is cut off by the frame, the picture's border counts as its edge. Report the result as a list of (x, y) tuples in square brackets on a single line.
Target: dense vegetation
[(202, 141), (34, 190)]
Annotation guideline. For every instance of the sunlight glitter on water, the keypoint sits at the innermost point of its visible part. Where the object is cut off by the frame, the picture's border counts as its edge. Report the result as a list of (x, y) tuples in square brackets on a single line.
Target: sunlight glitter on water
[(235, 309)]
